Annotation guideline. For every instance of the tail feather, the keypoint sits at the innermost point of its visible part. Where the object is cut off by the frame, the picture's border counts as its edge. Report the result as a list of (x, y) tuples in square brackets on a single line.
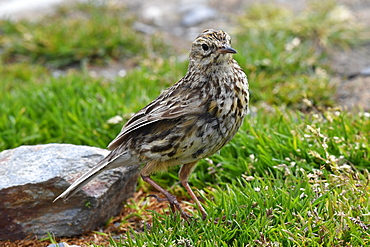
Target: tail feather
[(105, 164), (81, 181)]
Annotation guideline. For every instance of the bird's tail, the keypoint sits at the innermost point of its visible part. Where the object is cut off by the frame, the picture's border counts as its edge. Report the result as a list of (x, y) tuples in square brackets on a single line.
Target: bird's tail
[(107, 163)]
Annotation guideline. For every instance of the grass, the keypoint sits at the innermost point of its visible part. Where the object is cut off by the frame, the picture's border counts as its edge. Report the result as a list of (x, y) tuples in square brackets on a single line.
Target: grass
[(84, 34), (294, 175), (285, 53), (281, 182), (39, 108), (296, 209)]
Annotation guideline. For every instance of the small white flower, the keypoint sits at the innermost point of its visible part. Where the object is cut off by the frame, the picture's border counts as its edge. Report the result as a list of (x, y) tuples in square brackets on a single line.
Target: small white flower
[(344, 167), (321, 72), (122, 73), (292, 44), (308, 102), (340, 214), (248, 178), (340, 13), (115, 120)]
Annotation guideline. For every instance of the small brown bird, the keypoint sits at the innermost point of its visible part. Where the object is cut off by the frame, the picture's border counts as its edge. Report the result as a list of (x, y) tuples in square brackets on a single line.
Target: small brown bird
[(189, 121)]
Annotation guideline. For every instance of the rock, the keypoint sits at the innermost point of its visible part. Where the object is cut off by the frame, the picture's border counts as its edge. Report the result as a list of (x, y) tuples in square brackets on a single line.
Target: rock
[(365, 71), (352, 67), (143, 28), (31, 9), (32, 176), (351, 62), (158, 12), (354, 93), (197, 15), (62, 245)]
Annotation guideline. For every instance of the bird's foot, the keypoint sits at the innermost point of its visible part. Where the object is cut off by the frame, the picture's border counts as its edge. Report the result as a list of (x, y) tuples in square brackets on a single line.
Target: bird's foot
[(159, 199), (174, 205)]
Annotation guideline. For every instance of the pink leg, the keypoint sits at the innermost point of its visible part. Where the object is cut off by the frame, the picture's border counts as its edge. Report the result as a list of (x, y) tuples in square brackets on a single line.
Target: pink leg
[(184, 174), (174, 204)]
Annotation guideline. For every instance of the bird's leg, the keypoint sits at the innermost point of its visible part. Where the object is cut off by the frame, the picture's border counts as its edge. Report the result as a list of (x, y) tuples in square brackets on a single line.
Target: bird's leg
[(174, 204), (184, 174)]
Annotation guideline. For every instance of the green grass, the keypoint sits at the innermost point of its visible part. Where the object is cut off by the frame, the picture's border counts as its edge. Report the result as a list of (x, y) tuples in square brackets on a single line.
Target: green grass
[(294, 175), (285, 53), (74, 36), (282, 181), (38, 108), (294, 209)]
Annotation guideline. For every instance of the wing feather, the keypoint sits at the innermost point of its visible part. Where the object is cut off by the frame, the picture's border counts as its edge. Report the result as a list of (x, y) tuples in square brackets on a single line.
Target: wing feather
[(169, 105)]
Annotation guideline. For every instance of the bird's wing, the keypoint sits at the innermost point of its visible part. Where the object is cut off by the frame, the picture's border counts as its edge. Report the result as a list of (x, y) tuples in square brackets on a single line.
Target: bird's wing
[(172, 103)]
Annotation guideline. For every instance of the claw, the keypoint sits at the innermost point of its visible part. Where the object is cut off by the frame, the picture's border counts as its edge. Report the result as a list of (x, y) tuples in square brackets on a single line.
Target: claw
[(174, 205), (159, 199)]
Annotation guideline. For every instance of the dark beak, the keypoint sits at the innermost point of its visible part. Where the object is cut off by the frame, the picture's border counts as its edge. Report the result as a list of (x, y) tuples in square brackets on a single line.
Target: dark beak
[(226, 49)]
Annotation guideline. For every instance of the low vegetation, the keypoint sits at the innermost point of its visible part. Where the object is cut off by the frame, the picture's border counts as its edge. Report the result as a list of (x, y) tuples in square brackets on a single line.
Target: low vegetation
[(294, 175)]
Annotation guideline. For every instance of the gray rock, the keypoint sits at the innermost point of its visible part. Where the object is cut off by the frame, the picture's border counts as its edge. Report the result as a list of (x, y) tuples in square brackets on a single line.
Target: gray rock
[(32, 176), (365, 71), (143, 28), (354, 93), (158, 12), (351, 62), (62, 245), (197, 15)]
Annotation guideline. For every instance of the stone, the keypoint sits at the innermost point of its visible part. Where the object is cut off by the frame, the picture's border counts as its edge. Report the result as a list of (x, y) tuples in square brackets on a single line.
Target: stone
[(62, 245), (365, 71), (355, 93), (31, 177), (197, 15), (351, 62), (158, 14), (144, 28)]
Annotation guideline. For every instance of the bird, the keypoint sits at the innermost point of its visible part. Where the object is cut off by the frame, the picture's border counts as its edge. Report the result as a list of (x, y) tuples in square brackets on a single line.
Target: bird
[(189, 121)]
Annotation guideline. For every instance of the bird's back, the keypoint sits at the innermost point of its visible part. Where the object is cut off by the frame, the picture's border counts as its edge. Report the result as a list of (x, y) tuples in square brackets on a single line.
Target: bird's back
[(204, 111)]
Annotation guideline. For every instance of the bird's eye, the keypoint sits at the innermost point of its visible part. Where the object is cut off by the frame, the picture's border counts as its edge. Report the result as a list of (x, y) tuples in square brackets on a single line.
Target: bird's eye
[(205, 47)]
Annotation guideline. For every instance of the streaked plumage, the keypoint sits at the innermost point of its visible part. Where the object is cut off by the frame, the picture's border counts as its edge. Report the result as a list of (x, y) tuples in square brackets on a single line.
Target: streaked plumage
[(189, 121)]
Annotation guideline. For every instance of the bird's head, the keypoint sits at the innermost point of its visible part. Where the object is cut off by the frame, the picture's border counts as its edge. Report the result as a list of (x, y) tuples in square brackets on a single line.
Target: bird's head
[(211, 46)]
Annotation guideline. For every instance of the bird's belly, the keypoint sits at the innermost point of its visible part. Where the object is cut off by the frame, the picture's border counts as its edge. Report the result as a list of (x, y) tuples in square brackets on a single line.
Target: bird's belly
[(205, 139)]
